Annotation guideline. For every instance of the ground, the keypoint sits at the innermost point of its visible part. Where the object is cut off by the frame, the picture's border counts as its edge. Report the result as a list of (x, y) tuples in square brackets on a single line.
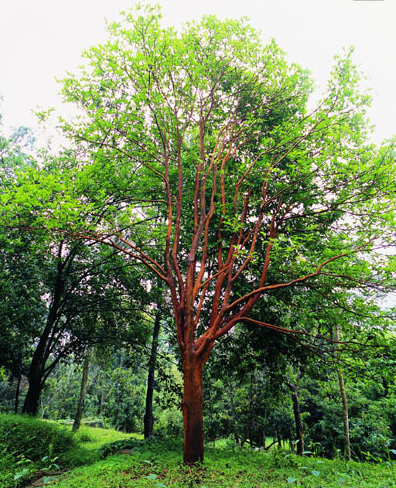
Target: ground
[(133, 463)]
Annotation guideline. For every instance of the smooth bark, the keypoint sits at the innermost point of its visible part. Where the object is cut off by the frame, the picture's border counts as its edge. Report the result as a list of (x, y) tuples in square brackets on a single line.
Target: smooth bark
[(32, 398), (297, 414), (148, 416), (233, 420), (298, 421), (17, 391), (83, 391), (37, 370), (345, 414)]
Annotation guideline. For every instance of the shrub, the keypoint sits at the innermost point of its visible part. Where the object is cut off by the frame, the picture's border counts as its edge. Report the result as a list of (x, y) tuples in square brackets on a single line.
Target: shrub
[(84, 435), (169, 423), (33, 438)]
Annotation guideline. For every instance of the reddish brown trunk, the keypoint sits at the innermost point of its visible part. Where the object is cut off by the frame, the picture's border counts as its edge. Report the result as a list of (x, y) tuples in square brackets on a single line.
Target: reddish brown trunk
[(192, 411)]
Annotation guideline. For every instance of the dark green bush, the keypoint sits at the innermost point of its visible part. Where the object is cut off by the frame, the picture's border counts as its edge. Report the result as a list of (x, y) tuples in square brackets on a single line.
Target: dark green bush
[(33, 438)]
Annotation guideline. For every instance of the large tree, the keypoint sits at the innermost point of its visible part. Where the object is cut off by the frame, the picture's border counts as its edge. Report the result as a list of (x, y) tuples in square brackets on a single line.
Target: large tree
[(202, 142)]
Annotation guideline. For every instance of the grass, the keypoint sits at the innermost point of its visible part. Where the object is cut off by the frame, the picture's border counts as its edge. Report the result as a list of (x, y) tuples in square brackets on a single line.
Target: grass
[(95, 437), (29, 446), (157, 464)]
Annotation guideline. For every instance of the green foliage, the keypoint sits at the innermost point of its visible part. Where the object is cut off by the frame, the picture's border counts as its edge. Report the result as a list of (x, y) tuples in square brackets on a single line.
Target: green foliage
[(371, 417)]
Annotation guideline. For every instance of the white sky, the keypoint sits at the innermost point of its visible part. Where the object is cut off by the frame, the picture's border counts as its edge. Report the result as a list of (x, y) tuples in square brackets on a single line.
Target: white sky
[(41, 39)]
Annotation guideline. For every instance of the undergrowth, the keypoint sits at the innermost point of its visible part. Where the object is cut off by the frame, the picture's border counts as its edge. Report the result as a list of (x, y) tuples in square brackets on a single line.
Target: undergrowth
[(157, 464), (29, 446), (94, 454)]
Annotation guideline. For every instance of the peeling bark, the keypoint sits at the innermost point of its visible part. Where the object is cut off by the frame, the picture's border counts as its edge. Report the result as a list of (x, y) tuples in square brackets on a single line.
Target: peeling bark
[(192, 404)]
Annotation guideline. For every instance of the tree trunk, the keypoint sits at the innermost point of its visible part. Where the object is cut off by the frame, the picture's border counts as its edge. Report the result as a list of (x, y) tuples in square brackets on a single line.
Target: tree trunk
[(297, 419), (101, 402), (278, 438), (252, 400), (36, 374), (233, 421), (192, 404), (148, 416), (83, 391), (18, 386), (264, 428), (345, 416), (31, 403)]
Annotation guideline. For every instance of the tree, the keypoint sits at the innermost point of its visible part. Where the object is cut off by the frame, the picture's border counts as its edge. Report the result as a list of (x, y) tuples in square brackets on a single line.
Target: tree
[(209, 132), (21, 308), (92, 299)]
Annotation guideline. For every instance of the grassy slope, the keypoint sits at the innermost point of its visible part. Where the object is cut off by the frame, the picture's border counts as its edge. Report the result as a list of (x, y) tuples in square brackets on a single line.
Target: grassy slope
[(158, 465), (21, 457)]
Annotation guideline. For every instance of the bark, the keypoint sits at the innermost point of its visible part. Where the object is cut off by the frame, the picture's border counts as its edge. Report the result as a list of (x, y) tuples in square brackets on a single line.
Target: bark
[(264, 428), (32, 399), (345, 415), (192, 404), (83, 391), (298, 420), (233, 421), (297, 412), (248, 428), (36, 375), (18, 386), (148, 416), (101, 402), (278, 438)]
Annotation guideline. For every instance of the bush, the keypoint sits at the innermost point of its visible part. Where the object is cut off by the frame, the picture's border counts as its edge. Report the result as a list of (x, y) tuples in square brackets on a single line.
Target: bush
[(169, 423), (33, 438), (84, 435)]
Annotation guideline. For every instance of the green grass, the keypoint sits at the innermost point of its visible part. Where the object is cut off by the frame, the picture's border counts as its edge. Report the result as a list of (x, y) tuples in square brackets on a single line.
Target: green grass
[(29, 445), (157, 464), (95, 437), (33, 438)]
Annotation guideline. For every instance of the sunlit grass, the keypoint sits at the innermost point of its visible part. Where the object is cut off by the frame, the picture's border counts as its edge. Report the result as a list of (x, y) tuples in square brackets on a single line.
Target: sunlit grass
[(95, 437)]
